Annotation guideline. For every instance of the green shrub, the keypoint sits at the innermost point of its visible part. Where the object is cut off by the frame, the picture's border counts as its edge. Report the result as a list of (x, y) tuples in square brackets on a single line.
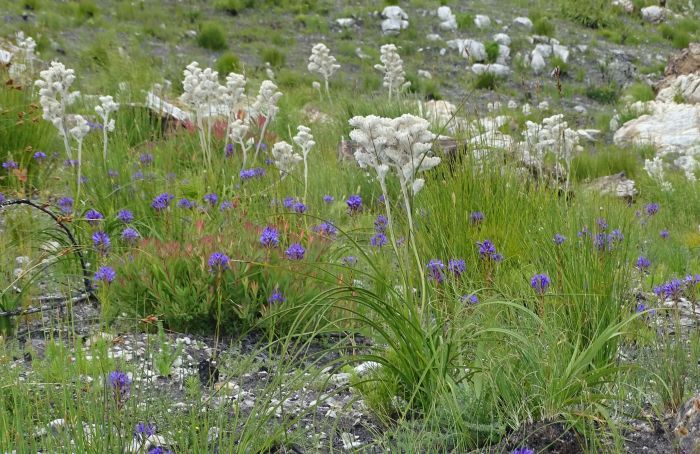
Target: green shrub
[(212, 36), (492, 51), (681, 40), (232, 7), (542, 26), (606, 94), (589, 13), (87, 9), (486, 81), (275, 57), (427, 88), (678, 37), (641, 92), (228, 63), (464, 21)]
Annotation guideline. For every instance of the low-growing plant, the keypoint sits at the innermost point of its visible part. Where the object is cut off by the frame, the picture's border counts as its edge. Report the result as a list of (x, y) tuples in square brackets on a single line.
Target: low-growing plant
[(604, 94), (274, 56), (543, 26), (228, 63), (486, 81), (492, 51), (212, 36), (640, 91)]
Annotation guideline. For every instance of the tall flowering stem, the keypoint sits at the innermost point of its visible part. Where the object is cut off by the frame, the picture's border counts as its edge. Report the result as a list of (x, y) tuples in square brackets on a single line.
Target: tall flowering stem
[(404, 145), (106, 107), (265, 106), (322, 62), (392, 67), (79, 131), (305, 141)]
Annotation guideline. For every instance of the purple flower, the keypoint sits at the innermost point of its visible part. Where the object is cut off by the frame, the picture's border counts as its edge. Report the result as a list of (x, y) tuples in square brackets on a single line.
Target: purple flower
[(664, 234), (288, 202), (559, 239), (248, 174), (487, 251), (670, 290), (651, 209), (218, 262), (354, 203), (456, 267), (522, 451), (378, 240), (162, 201), (138, 175), (70, 163), (380, 224), (540, 283), (130, 235), (93, 216), (186, 204), (65, 204), (584, 232), (229, 150), (225, 205), (326, 229), (211, 198), (602, 224), (616, 236), (101, 242), (158, 450), (276, 297), (39, 156), (641, 307), (600, 241), (2, 197), (472, 299), (144, 430), (270, 237), (328, 198), (476, 217), (125, 216), (105, 274), (120, 384), (146, 158), (295, 252), (382, 199), (349, 260), (435, 267), (299, 207), (112, 173), (642, 263), (9, 165)]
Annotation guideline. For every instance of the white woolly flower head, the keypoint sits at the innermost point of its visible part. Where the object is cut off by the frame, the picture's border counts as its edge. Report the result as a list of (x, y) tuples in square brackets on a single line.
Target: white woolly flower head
[(655, 169), (55, 95), (26, 44), (322, 62), (233, 91), (403, 143), (304, 139), (551, 136), (266, 102), (284, 157), (201, 88), (81, 128), (238, 130), (392, 67), (104, 109)]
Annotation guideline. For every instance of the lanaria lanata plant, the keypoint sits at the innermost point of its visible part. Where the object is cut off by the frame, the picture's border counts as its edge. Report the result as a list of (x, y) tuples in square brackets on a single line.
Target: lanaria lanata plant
[(23, 61), (392, 67), (305, 141), (284, 157), (55, 96), (232, 97), (202, 92), (79, 131), (106, 107), (655, 169), (237, 132), (265, 106), (321, 61)]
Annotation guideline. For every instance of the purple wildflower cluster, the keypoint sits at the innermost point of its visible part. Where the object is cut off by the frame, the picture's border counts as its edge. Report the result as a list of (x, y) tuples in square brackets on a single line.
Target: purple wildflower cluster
[(651, 209), (488, 252), (125, 216), (146, 158), (559, 239), (93, 216), (121, 386), (540, 283), (378, 240), (130, 235), (162, 201), (328, 198), (218, 262), (354, 203), (144, 430), (435, 269), (9, 165), (249, 174), (276, 297), (270, 237), (471, 299), (326, 229), (522, 451), (211, 198), (186, 204), (65, 204), (642, 263), (677, 288), (105, 274), (295, 252), (39, 156), (295, 205), (476, 217), (101, 242), (381, 223)]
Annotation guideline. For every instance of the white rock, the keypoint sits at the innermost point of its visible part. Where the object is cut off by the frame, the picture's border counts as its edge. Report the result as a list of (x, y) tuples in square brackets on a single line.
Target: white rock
[(626, 5), (654, 14), (345, 22), (503, 54), (669, 127), (561, 51), (544, 105), (5, 57), (537, 62), (687, 86), (580, 109), (523, 22), (395, 20), (502, 38), (424, 74), (588, 134), (482, 21), (476, 50), (448, 21), (544, 49), (433, 37), (512, 104), (494, 68)]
